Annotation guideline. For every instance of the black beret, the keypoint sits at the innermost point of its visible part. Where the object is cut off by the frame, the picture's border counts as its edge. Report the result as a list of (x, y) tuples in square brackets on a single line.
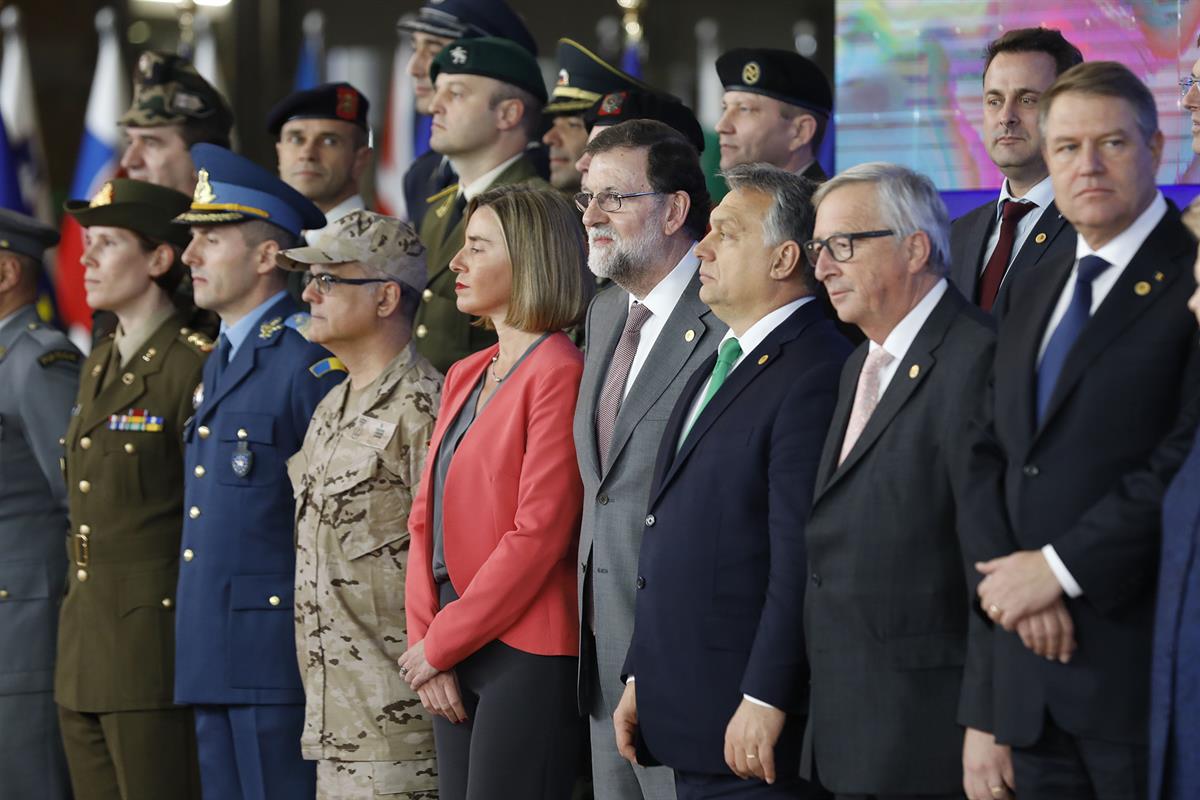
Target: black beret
[(620, 107), (327, 101), (784, 75), (469, 19)]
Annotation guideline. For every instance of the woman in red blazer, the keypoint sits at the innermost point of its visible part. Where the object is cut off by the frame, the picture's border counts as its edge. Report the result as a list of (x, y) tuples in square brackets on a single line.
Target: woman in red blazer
[(490, 590)]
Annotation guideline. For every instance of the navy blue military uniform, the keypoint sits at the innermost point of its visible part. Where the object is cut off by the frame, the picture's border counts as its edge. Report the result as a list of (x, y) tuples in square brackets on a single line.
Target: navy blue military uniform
[(235, 646)]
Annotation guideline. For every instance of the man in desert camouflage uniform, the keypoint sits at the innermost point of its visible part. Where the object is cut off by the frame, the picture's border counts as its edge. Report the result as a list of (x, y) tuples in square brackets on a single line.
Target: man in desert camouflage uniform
[(354, 479)]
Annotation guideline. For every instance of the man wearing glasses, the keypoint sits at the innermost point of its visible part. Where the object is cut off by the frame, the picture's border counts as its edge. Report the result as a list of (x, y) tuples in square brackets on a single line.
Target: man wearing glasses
[(644, 205), (354, 479), (890, 630)]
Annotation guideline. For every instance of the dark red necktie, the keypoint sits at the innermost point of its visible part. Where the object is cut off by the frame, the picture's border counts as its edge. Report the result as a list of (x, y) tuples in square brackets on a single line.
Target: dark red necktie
[(997, 265)]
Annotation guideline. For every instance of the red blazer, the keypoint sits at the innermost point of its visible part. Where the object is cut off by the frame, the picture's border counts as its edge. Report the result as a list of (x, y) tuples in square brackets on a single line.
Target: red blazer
[(510, 514)]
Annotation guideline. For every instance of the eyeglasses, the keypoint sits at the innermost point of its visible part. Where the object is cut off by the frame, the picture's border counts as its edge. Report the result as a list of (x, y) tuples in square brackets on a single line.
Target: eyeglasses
[(841, 245), (608, 201), (325, 282), (1186, 84)]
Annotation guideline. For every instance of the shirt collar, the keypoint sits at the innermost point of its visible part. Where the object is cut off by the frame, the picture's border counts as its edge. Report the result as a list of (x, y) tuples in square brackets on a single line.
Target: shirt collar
[(662, 298), (128, 342), (1124, 246), (756, 333), (1041, 195), (905, 333), (239, 331), (485, 181)]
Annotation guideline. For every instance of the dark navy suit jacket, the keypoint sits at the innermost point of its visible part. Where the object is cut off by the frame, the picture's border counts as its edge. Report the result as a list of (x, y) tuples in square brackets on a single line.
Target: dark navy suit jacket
[(721, 572), (1175, 672)]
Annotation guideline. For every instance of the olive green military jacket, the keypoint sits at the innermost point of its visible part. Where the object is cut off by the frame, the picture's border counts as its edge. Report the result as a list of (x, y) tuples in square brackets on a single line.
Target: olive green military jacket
[(124, 472), (443, 333)]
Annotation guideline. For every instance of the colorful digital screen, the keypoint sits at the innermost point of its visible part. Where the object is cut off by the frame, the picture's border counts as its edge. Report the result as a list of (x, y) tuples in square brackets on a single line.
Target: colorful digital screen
[(910, 76)]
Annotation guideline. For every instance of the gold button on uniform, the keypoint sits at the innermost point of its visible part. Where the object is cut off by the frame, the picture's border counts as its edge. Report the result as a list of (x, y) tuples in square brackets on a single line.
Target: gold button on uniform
[(689, 336), (1041, 237), (166, 602), (427, 295), (81, 575), (85, 486), (198, 471), (127, 378), (3, 594), (273, 599), (85, 443), (129, 448), (96, 370), (194, 512), (422, 331), (188, 555), (203, 431), (242, 434), (85, 529), (1141, 288)]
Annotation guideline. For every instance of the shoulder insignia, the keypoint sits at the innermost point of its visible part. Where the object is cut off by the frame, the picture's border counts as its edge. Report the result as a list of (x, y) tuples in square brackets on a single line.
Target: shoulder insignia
[(452, 189), (299, 323), (55, 356), (327, 365), (269, 329), (196, 339)]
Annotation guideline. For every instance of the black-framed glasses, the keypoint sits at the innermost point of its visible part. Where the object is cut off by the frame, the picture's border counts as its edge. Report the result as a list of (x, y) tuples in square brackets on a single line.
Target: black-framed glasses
[(325, 282), (1186, 84), (608, 201), (840, 245)]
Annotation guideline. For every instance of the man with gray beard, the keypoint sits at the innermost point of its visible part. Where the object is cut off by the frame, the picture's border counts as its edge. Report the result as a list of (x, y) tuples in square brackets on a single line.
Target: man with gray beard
[(644, 205)]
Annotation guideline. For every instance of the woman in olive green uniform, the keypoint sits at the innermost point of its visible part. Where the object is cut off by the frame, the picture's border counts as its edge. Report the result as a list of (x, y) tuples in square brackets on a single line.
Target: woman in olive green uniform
[(124, 738)]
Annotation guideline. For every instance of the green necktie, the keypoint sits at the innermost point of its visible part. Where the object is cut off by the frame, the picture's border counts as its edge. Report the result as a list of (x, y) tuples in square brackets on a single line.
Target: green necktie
[(727, 356)]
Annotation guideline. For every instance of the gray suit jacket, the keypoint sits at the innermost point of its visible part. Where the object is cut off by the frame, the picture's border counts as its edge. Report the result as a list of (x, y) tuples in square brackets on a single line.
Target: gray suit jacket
[(39, 377), (614, 503)]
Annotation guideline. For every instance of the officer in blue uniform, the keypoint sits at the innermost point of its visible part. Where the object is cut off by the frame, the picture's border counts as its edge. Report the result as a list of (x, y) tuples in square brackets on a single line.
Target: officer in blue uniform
[(235, 647)]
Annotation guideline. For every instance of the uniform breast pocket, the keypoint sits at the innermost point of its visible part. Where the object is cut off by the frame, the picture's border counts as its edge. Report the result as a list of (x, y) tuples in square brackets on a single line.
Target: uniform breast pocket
[(246, 451), (28, 616), (262, 643), (371, 504)]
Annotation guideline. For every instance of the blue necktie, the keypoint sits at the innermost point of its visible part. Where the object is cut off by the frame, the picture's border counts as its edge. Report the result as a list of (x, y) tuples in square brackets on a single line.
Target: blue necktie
[(221, 354), (1068, 330)]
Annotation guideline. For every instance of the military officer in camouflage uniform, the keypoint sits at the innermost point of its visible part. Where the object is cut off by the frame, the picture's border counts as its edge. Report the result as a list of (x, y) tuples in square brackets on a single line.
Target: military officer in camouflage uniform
[(354, 480), (39, 375), (487, 102), (124, 737), (235, 636)]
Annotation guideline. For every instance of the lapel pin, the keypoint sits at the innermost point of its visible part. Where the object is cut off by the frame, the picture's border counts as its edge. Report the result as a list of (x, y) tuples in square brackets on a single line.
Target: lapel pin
[(1040, 238), (914, 371), (689, 336), (96, 370), (1158, 276), (1141, 288), (763, 360), (149, 354)]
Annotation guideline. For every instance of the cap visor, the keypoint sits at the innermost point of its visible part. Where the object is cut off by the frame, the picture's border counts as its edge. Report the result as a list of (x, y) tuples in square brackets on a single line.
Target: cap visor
[(558, 107), (212, 217), (298, 258)]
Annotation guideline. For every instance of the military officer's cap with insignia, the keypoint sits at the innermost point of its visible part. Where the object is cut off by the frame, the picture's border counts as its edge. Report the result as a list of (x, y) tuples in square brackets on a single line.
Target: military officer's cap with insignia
[(618, 107), (784, 75), (583, 78), (491, 57), (230, 188), (328, 101), (384, 243), (138, 206), (470, 19), (25, 235), (167, 90)]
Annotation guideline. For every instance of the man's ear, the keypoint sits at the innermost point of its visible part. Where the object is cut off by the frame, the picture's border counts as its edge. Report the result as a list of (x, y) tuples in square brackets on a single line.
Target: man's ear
[(678, 205), (264, 256), (509, 113), (786, 261), (804, 128)]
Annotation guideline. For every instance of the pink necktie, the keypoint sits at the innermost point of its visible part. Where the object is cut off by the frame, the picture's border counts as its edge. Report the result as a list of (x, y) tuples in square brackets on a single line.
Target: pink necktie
[(866, 397), (614, 383)]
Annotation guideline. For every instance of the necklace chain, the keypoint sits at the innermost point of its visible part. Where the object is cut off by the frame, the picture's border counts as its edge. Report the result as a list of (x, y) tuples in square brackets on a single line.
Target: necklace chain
[(492, 367)]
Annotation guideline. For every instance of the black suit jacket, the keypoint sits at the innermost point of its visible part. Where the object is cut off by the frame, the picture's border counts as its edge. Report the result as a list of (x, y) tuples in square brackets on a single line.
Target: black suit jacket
[(1090, 480), (887, 611), (968, 242), (721, 571)]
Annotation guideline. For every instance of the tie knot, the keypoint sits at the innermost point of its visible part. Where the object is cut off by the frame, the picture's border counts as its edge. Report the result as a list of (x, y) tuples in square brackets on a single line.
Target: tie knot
[(223, 347), (1090, 267), (729, 352), (638, 314), (877, 359), (1014, 210)]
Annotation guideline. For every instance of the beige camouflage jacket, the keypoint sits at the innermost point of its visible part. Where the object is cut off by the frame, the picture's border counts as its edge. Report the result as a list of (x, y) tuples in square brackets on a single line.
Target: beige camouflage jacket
[(354, 481)]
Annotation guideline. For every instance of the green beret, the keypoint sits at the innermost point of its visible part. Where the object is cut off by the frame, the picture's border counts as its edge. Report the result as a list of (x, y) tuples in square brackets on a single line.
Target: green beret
[(491, 57), (145, 208)]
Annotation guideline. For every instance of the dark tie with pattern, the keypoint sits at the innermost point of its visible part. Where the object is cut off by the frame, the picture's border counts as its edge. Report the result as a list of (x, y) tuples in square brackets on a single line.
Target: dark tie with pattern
[(997, 265), (614, 383), (1068, 330), (221, 357)]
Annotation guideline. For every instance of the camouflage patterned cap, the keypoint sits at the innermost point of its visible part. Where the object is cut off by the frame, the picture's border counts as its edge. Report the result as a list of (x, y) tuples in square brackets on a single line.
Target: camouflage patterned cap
[(371, 239), (167, 90)]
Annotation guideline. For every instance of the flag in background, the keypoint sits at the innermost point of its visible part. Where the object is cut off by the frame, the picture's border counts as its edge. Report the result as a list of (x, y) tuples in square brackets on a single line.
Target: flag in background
[(19, 111), (99, 158), (204, 52), (310, 70), (400, 136), (10, 183)]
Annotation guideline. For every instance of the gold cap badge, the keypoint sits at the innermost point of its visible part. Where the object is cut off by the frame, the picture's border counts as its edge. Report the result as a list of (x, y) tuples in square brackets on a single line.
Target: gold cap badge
[(103, 197), (751, 73), (204, 193)]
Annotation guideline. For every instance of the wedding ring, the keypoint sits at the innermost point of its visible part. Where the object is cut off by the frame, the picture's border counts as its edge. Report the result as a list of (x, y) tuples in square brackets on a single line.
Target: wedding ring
[(403, 671), (751, 757), (993, 609), (997, 791)]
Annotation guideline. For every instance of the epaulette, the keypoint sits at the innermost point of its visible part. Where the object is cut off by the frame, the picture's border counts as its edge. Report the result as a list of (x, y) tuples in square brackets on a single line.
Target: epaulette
[(196, 340), (299, 323), (327, 365), (451, 189)]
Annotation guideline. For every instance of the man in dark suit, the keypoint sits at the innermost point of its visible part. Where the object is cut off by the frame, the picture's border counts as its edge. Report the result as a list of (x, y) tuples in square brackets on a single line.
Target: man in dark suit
[(1097, 389), (1021, 228), (721, 688), (891, 634)]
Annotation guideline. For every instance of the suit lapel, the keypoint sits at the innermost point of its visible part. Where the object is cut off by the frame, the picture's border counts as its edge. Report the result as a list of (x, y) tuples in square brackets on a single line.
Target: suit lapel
[(1039, 295), (671, 351), (612, 323), (841, 417), (1155, 266), (1050, 226), (667, 457), (980, 233)]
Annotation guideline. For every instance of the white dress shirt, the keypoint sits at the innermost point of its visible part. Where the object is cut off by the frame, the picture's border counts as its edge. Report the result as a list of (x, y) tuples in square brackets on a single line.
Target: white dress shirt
[(485, 181), (1118, 253), (661, 301), (905, 332), (1041, 195)]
